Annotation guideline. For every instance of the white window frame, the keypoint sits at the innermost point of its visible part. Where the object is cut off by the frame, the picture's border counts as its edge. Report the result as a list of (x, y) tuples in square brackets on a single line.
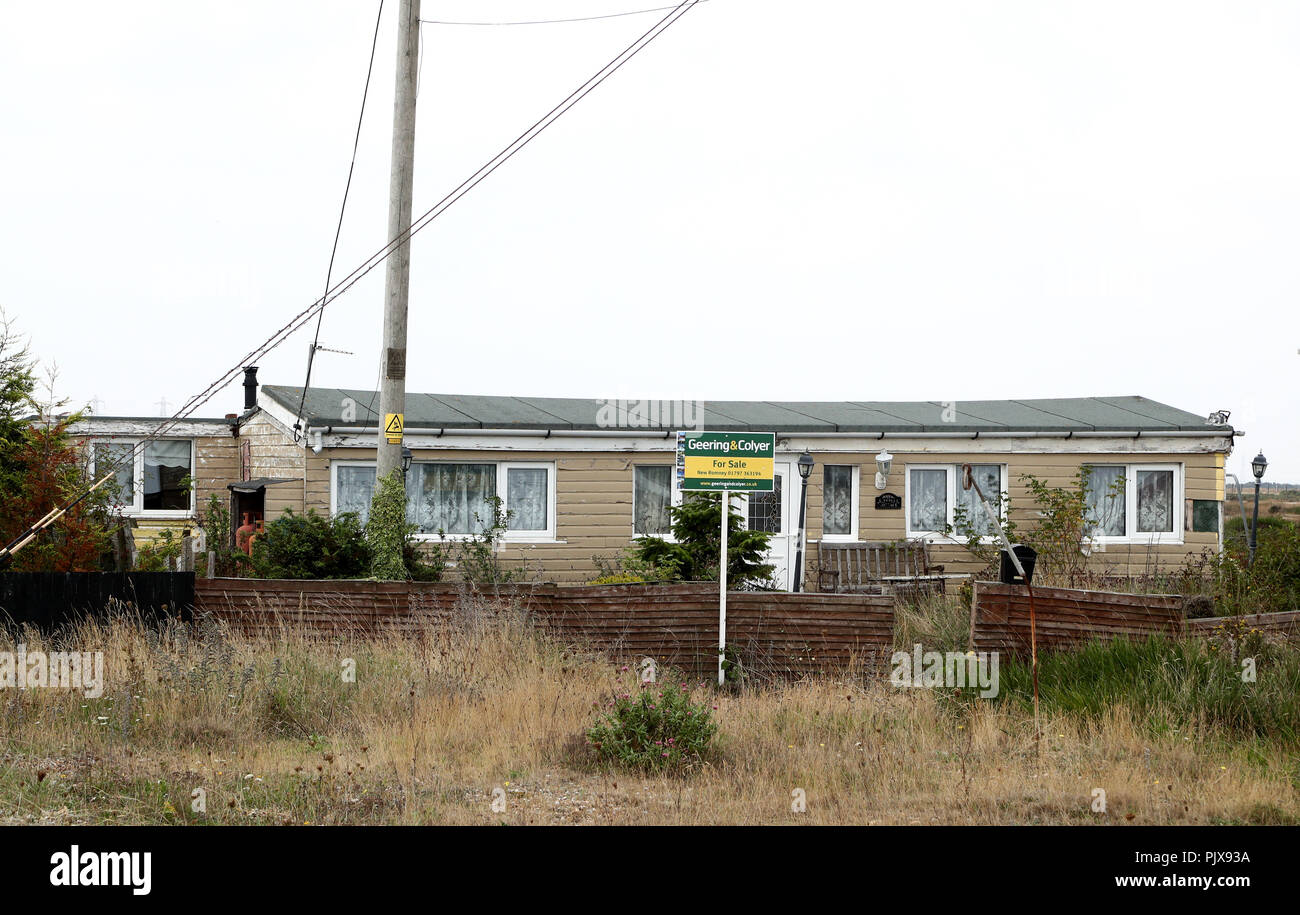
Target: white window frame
[(1131, 534), (502, 467), (503, 472), (855, 520), (136, 509), (952, 473), (675, 499)]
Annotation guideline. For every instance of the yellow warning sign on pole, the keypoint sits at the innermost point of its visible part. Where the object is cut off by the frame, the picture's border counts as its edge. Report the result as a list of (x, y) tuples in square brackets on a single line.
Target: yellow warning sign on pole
[(393, 426)]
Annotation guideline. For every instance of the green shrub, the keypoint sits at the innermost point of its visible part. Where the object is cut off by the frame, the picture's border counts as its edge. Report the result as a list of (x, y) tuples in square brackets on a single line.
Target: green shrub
[(387, 530), (309, 546), (693, 553), (618, 578), (654, 727)]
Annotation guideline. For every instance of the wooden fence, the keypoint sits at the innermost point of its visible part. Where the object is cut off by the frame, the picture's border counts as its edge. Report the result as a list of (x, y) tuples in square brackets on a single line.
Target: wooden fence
[(1285, 625), (772, 632), (1066, 617), (47, 600)]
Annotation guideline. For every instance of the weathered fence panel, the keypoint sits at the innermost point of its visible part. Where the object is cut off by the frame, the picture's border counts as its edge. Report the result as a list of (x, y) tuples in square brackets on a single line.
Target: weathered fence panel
[(1285, 625), (256, 606), (772, 632), (676, 624), (48, 600), (1066, 617)]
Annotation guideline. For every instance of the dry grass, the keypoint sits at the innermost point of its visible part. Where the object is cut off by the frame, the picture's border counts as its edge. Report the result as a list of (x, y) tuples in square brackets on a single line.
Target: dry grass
[(271, 733)]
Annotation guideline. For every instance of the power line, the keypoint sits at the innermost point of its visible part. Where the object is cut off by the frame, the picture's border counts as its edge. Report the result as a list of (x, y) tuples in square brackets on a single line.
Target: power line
[(329, 272), (656, 9), (358, 273)]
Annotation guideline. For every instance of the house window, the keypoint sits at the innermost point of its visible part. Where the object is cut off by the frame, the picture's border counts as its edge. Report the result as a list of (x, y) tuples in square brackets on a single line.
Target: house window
[(166, 471), (764, 511), (455, 498), (451, 498), (528, 497), (967, 501), (1135, 501), (839, 502), (652, 496), (936, 499), (153, 477)]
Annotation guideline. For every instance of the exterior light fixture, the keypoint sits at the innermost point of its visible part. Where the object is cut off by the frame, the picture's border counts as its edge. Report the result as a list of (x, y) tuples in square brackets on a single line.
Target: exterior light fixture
[(884, 460), (1257, 467), (805, 465), (406, 459)]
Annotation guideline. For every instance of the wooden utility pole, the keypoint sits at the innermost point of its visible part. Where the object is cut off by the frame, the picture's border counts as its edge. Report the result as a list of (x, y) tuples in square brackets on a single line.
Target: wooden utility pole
[(392, 391)]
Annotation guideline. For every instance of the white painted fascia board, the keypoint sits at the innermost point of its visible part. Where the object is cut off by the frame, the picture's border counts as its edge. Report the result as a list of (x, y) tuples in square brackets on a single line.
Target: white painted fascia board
[(141, 428), (515, 440)]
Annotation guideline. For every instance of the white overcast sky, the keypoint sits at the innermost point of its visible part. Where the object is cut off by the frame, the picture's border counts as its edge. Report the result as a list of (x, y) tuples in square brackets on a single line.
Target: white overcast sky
[(823, 200)]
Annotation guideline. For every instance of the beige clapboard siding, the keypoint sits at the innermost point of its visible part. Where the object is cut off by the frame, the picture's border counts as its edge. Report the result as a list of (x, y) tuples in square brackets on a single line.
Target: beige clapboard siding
[(216, 464), (272, 453), (594, 502), (1202, 480), (593, 515)]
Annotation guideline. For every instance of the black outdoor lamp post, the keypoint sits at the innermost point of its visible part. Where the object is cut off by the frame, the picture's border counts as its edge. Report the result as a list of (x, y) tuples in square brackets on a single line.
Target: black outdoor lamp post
[(1257, 467), (805, 465), (406, 460)]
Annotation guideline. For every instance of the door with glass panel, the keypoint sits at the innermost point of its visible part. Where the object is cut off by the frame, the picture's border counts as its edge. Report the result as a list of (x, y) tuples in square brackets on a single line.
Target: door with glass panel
[(771, 512)]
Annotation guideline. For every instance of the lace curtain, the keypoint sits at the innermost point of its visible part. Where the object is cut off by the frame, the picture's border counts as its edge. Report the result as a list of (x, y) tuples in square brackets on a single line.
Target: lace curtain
[(989, 479), (837, 500), (928, 499), (356, 487), (1155, 501), (652, 494), (526, 498), (1105, 494), (452, 498)]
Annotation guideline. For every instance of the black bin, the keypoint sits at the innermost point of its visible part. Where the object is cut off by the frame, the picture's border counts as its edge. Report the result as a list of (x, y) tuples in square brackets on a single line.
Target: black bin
[(1027, 556)]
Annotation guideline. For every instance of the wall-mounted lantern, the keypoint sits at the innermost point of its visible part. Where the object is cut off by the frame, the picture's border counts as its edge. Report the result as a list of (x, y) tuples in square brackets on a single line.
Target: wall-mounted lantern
[(884, 460)]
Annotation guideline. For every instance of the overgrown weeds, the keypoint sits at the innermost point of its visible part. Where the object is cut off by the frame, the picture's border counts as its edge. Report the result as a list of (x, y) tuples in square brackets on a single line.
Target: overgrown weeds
[(482, 719)]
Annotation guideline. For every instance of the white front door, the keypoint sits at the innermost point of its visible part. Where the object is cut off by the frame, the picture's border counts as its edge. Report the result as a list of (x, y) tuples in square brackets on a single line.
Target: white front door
[(776, 513)]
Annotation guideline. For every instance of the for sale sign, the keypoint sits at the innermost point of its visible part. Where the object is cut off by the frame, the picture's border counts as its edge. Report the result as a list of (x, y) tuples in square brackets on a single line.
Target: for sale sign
[(737, 461)]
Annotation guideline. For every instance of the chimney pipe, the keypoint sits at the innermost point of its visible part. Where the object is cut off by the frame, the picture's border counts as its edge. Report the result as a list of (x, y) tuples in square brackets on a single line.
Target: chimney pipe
[(250, 387)]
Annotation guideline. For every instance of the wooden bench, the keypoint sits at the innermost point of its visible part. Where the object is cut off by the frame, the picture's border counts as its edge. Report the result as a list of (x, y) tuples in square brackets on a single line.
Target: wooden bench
[(901, 568)]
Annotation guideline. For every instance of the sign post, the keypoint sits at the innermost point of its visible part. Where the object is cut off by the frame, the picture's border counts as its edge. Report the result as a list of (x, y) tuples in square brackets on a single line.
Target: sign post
[(725, 462), (722, 589)]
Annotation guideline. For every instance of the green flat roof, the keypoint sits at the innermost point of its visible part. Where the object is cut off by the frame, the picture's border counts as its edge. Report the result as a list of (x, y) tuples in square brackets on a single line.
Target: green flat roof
[(325, 406)]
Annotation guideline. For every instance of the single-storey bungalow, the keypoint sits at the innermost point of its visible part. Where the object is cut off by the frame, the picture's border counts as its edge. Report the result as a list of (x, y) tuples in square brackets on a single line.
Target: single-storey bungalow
[(582, 478)]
